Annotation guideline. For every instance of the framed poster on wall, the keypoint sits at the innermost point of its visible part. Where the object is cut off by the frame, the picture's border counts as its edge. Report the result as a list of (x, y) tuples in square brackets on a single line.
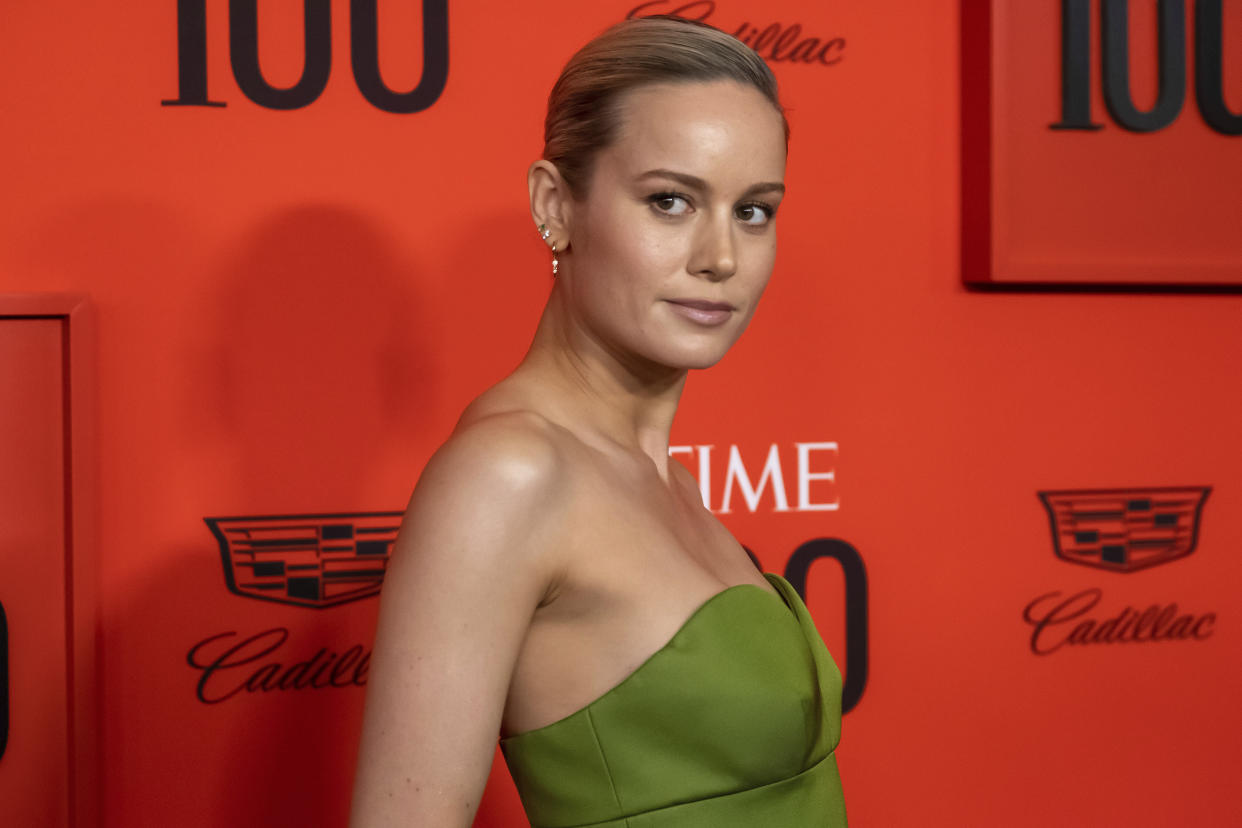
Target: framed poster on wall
[(1102, 143), (49, 688)]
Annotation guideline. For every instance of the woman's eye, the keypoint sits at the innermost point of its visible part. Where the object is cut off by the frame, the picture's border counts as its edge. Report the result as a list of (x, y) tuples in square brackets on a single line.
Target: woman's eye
[(755, 215), (670, 203)]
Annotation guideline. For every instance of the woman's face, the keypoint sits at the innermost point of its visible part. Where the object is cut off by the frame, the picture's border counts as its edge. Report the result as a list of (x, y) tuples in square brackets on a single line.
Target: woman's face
[(675, 239)]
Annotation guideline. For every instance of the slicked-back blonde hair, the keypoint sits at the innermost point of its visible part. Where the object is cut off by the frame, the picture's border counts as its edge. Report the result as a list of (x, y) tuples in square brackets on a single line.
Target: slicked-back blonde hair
[(583, 106)]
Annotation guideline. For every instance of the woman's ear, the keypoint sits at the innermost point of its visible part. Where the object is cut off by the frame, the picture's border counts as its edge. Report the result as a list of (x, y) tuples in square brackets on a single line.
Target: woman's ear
[(550, 203)]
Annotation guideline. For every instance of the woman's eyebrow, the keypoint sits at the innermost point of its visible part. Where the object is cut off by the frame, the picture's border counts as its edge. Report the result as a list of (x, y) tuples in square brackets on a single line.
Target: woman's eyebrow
[(766, 187), (696, 183), (686, 180)]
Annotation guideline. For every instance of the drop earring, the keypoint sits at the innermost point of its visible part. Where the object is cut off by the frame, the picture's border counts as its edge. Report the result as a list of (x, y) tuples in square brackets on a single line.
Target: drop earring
[(545, 233)]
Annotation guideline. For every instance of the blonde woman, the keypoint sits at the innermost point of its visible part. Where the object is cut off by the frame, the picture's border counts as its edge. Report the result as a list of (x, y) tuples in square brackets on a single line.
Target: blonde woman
[(557, 582)]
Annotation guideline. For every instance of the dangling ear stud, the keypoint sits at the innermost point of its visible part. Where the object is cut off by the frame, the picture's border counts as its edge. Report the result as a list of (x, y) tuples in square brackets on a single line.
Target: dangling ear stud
[(545, 234)]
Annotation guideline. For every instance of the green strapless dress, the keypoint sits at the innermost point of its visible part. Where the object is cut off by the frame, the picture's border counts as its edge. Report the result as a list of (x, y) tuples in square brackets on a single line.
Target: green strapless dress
[(731, 724)]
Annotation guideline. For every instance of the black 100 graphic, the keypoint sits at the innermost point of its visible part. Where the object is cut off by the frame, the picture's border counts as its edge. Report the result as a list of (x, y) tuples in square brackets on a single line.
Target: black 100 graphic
[(317, 62), (1172, 66), (857, 657)]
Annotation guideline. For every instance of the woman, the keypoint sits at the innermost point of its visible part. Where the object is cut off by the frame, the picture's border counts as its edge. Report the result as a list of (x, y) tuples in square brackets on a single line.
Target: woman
[(557, 579)]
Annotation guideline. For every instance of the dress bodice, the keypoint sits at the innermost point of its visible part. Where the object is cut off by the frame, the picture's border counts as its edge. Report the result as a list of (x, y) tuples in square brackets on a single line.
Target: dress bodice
[(733, 722)]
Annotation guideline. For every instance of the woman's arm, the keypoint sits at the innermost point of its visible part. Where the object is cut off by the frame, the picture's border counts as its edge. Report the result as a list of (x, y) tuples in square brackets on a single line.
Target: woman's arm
[(477, 552)]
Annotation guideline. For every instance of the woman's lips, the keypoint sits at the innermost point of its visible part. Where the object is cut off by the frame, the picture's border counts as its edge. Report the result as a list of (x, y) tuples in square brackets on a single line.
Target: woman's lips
[(701, 311)]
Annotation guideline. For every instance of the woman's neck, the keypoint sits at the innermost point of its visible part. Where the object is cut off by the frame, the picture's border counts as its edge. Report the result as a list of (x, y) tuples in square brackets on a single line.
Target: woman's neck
[(597, 390)]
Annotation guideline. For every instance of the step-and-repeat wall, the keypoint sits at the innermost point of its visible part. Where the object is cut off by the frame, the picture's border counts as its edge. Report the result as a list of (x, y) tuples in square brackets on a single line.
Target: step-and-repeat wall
[(986, 419)]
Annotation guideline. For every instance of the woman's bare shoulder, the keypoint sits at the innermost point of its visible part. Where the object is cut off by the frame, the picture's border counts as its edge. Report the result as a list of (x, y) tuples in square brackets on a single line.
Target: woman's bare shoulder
[(505, 471), (500, 445)]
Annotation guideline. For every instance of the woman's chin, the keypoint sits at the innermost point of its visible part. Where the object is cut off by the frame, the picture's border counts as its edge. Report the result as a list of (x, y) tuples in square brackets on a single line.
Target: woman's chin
[(692, 359)]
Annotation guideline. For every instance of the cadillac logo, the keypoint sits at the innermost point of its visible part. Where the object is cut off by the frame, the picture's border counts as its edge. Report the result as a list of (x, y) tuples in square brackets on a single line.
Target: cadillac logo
[(306, 560), (1124, 530)]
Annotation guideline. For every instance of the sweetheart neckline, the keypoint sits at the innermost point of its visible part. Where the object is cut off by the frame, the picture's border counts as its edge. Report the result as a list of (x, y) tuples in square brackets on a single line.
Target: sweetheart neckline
[(776, 595)]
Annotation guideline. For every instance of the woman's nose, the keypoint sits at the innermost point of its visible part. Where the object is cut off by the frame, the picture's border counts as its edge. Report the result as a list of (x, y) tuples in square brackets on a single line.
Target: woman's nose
[(715, 250)]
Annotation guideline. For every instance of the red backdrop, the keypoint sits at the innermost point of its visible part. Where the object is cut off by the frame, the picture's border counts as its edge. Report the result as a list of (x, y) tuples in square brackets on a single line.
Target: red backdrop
[(293, 305)]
